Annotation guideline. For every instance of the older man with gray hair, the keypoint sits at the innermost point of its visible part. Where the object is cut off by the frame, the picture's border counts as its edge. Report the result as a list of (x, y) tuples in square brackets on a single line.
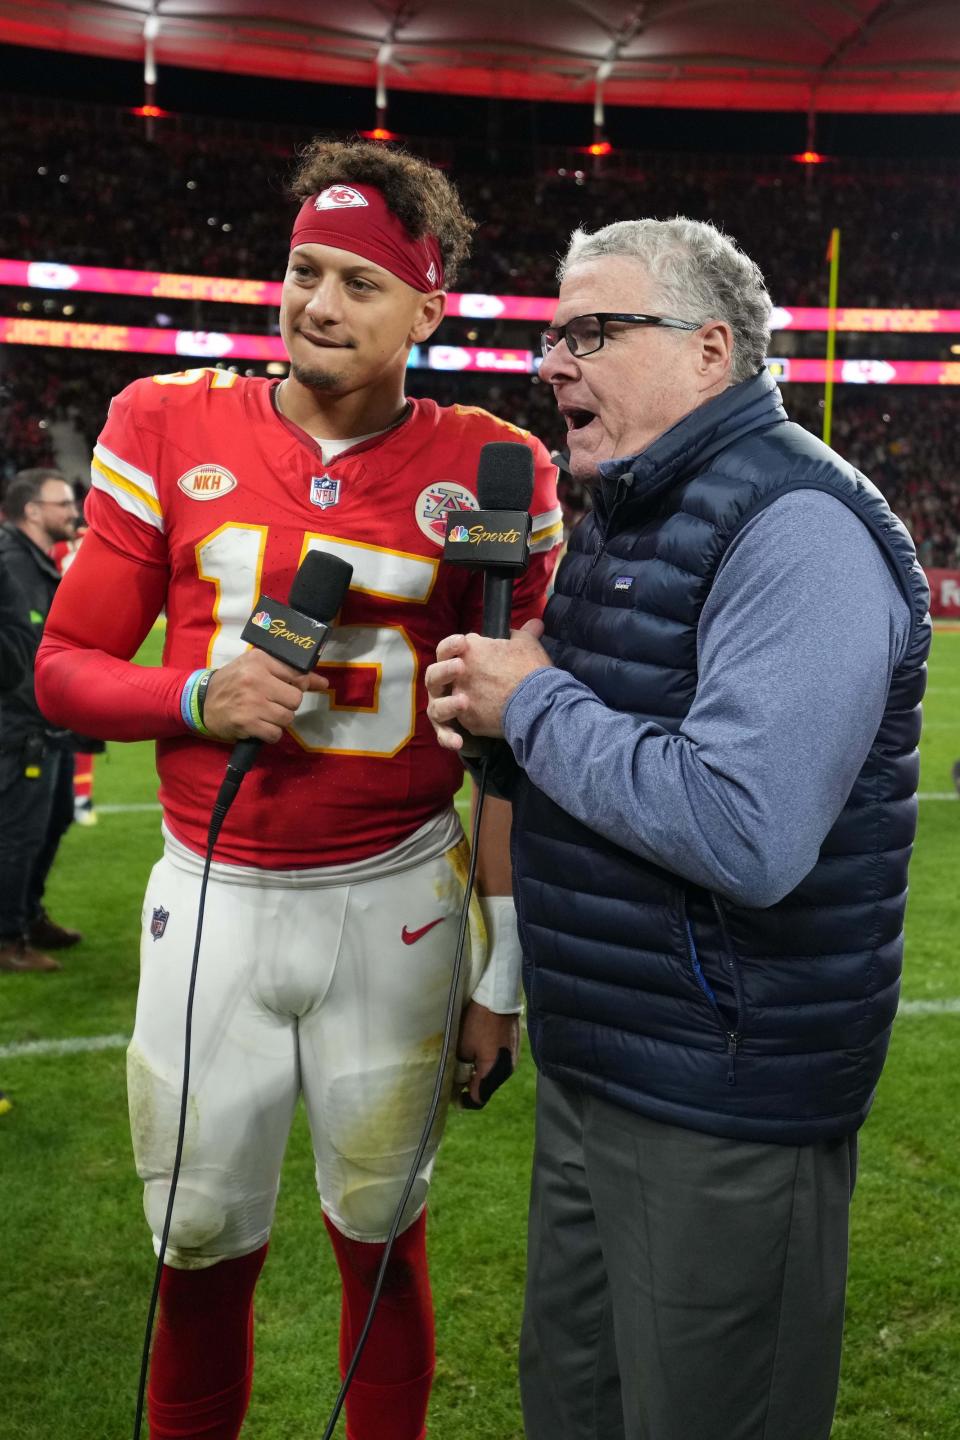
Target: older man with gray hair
[(713, 761)]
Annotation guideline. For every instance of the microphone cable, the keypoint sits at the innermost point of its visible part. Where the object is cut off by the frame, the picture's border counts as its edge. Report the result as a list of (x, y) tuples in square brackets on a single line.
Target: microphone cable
[(216, 821), (451, 1016)]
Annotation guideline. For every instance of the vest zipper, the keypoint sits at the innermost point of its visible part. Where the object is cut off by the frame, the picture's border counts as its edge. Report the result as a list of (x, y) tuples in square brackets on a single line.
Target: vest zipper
[(733, 1037), (598, 549), (733, 1040)]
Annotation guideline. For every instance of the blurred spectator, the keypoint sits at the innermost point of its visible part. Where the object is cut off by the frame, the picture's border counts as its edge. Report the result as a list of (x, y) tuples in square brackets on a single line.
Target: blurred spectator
[(175, 206), (36, 761), (17, 648)]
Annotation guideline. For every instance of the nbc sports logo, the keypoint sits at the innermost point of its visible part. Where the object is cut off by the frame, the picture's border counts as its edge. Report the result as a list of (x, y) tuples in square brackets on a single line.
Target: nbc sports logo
[(262, 619), (458, 533)]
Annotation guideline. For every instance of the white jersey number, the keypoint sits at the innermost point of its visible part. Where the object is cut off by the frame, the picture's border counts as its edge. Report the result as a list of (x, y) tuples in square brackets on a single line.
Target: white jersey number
[(231, 559)]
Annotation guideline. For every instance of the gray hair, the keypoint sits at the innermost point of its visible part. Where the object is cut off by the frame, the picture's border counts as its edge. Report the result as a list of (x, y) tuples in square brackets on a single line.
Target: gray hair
[(699, 273)]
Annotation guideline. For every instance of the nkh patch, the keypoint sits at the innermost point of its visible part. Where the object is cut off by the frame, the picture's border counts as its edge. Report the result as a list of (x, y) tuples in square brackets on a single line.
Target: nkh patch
[(159, 922), (433, 505), (623, 582), (207, 482), (324, 491)]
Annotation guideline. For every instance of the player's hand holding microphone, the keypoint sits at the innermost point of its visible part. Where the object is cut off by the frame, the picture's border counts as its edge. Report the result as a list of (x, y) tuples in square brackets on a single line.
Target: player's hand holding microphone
[(474, 675), (256, 695)]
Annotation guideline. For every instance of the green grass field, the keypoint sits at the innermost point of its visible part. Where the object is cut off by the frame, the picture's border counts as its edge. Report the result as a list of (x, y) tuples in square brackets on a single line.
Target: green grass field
[(76, 1263)]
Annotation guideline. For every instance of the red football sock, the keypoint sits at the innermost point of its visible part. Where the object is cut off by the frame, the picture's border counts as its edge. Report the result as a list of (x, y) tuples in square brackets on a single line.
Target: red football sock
[(388, 1397), (201, 1368)]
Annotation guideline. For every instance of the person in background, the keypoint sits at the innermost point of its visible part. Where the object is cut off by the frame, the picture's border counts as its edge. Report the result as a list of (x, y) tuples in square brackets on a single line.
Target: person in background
[(36, 758), (17, 647)]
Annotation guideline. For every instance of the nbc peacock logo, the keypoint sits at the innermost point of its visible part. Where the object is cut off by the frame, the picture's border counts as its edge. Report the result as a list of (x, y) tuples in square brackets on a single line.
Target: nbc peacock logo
[(458, 534), (262, 619)]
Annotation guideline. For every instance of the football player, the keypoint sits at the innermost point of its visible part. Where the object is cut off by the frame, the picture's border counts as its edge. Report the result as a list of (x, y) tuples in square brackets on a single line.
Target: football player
[(331, 914)]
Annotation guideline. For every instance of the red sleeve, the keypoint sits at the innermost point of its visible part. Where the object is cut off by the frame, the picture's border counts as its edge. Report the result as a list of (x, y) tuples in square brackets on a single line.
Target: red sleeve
[(124, 505), (103, 611)]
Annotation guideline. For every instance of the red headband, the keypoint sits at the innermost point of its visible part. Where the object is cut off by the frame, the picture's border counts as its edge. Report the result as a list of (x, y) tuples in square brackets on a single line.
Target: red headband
[(356, 218)]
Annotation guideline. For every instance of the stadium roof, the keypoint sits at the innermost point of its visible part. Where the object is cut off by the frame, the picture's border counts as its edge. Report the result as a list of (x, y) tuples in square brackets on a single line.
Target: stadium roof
[(829, 55)]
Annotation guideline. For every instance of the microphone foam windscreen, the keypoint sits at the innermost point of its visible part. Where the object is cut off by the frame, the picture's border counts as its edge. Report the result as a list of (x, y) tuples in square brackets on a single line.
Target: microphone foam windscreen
[(320, 585), (505, 476)]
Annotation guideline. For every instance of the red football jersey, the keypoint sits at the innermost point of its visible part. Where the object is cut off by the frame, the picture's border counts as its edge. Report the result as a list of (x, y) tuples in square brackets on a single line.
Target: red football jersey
[(197, 472)]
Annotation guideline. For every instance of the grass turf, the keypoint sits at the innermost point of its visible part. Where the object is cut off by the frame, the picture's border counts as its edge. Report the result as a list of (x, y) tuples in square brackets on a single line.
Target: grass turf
[(75, 1260)]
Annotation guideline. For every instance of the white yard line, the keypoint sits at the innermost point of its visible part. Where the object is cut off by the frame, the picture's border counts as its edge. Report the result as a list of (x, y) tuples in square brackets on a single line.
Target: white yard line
[(463, 809), (29, 1048), (34, 1049), (949, 1006), (126, 809)]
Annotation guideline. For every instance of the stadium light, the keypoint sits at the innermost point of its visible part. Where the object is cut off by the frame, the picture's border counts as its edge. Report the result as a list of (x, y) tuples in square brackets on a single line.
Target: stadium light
[(151, 112), (379, 133), (599, 148), (810, 157)]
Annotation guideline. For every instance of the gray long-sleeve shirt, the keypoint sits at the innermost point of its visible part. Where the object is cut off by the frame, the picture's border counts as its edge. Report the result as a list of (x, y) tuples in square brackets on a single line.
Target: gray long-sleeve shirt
[(796, 645)]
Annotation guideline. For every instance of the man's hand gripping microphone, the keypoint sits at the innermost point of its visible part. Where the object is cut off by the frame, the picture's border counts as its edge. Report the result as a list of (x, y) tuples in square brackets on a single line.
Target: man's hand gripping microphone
[(495, 540)]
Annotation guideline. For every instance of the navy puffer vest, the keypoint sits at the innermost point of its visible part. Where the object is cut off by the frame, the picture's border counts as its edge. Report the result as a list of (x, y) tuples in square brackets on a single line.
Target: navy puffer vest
[(764, 1024)]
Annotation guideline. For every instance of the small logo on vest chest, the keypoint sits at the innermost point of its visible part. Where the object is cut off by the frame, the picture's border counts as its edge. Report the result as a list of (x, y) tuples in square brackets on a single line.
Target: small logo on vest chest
[(623, 582)]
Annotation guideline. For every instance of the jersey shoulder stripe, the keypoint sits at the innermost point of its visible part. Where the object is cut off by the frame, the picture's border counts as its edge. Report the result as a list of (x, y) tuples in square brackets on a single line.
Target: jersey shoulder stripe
[(477, 412), (546, 530), (133, 489), (149, 400)]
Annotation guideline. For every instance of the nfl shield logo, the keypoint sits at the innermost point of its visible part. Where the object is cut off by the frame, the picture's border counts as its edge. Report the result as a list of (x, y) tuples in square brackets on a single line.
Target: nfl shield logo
[(324, 491), (159, 922)]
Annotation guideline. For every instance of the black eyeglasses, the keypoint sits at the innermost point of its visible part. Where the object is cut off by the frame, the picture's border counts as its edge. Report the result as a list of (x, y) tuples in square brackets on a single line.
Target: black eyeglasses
[(586, 333)]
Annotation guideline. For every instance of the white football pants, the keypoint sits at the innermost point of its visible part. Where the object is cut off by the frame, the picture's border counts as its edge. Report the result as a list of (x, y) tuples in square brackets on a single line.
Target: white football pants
[(336, 992)]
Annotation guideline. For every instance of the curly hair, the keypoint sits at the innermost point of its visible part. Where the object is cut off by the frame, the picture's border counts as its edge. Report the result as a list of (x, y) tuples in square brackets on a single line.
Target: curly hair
[(418, 194)]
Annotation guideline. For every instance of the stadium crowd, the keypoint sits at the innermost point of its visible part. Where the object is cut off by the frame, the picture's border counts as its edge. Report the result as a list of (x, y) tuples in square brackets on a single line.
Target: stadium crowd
[(174, 205)]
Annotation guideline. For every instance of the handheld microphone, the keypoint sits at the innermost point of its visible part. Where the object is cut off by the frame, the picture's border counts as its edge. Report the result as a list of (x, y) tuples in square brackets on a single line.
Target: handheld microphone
[(497, 538), (294, 633)]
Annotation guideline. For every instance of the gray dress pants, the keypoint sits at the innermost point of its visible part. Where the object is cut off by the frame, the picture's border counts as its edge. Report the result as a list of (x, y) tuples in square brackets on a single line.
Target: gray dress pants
[(680, 1286)]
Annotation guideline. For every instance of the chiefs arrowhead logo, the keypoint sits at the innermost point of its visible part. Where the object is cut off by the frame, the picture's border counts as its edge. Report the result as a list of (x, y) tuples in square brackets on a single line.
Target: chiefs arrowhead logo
[(339, 197)]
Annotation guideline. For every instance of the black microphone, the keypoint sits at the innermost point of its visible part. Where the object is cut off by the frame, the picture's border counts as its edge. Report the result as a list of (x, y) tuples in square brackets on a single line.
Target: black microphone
[(294, 633), (497, 538)]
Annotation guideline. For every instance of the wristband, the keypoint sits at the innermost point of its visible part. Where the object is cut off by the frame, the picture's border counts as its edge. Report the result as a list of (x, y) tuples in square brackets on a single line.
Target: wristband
[(201, 694), (499, 988), (190, 710)]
